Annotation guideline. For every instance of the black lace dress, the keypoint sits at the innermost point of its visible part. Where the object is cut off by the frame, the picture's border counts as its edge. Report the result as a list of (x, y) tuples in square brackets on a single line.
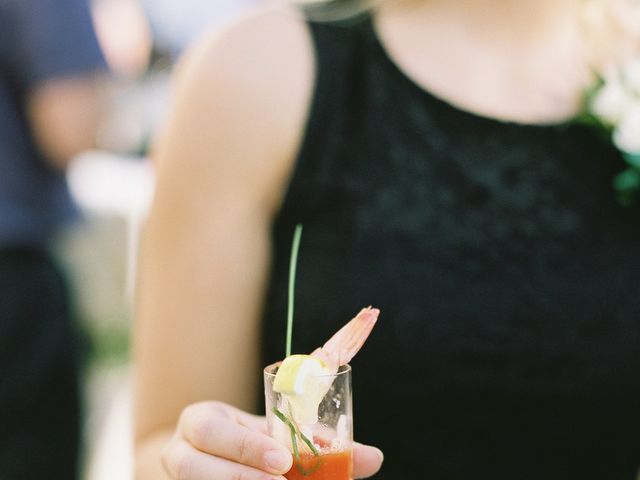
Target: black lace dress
[(508, 277)]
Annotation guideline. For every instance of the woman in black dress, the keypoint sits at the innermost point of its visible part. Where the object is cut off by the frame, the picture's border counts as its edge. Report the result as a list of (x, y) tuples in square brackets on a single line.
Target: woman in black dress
[(430, 151)]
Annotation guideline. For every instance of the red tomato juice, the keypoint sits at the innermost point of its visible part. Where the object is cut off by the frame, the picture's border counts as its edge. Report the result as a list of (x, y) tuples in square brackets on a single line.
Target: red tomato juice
[(327, 466)]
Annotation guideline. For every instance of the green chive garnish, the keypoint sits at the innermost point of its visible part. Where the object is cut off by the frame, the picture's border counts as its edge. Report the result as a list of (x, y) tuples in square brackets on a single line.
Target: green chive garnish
[(292, 283), (294, 430), (309, 443)]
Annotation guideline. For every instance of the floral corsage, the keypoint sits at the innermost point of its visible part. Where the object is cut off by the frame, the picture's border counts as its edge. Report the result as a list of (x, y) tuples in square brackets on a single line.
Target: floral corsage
[(613, 106)]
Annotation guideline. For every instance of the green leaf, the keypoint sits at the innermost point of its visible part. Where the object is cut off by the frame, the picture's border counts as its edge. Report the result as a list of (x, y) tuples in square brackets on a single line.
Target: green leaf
[(632, 159), (627, 185)]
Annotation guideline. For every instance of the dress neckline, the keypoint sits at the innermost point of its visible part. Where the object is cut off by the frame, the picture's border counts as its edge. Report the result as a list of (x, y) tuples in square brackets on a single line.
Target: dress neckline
[(411, 83)]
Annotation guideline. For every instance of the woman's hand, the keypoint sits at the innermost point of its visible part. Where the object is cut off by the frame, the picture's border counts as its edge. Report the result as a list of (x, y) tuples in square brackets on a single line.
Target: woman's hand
[(216, 441)]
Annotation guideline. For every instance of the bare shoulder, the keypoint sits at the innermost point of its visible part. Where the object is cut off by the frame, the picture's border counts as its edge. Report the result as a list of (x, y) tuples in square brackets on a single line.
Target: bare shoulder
[(259, 48), (241, 99)]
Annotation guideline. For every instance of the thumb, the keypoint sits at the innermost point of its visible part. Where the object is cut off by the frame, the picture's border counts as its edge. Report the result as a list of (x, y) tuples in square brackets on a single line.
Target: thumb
[(367, 460)]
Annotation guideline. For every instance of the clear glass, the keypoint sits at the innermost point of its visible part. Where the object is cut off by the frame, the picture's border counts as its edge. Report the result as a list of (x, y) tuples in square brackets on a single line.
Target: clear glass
[(321, 450)]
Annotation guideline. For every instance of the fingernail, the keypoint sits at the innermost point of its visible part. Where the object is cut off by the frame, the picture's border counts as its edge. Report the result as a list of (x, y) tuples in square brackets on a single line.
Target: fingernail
[(277, 460), (380, 454)]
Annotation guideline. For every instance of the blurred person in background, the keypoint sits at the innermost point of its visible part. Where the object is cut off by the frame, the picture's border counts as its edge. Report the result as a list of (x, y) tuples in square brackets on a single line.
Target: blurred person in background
[(431, 151), (52, 75)]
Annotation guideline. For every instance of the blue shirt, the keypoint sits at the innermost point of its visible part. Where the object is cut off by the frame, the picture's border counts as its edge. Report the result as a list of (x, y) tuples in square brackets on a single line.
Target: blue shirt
[(40, 40)]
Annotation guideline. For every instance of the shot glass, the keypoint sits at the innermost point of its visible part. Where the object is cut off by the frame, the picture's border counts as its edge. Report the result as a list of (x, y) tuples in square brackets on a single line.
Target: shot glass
[(321, 450)]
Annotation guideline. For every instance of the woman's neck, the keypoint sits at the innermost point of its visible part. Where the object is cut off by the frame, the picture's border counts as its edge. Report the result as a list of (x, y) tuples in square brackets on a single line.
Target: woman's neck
[(521, 23), (513, 59)]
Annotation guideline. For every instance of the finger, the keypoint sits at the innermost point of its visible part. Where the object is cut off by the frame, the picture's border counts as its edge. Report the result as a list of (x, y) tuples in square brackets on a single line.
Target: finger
[(252, 422), (367, 460), (181, 461), (223, 437)]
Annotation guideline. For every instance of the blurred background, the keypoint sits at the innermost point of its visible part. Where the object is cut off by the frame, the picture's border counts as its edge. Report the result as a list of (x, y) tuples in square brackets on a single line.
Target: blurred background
[(113, 186)]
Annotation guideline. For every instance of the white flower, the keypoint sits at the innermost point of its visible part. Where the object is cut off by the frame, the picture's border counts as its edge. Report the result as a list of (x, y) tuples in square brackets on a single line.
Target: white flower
[(611, 101), (631, 76), (626, 135)]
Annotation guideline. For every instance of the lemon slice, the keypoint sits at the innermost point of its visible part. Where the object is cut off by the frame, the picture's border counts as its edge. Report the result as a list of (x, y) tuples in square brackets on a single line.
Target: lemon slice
[(295, 370), (300, 380)]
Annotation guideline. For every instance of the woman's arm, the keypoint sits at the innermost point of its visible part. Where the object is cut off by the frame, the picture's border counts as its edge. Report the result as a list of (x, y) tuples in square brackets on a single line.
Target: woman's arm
[(223, 162)]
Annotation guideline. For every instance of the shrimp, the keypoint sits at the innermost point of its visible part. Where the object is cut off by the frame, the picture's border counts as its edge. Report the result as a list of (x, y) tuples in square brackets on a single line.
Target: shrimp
[(314, 379), (343, 346)]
